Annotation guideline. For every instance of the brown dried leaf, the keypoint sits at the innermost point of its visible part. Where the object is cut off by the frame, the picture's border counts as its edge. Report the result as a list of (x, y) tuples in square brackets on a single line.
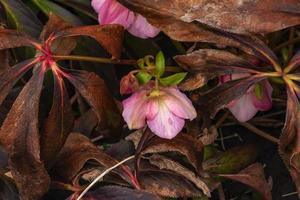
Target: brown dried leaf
[(110, 37), (119, 193), (182, 143), (58, 125), (95, 92), (12, 39), (165, 163), (195, 81), (212, 61), (77, 151), (19, 135), (254, 16), (289, 145), (9, 78), (168, 184), (254, 177)]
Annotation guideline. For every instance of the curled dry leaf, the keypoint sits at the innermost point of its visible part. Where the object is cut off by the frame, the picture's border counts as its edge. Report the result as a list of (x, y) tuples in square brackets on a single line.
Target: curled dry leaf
[(75, 154), (254, 177), (168, 184), (182, 143), (165, 163)]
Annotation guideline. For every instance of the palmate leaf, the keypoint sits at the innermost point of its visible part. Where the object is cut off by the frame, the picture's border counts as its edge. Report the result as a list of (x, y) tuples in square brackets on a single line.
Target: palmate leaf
[(20, 134)]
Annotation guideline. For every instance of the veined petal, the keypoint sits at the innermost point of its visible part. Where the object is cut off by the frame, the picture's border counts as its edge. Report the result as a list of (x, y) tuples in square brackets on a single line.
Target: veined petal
[(142, 29), (97, 4), (243, 108), (112, 12), (134, 110), (179, 104), (264, 102), (165, 124)]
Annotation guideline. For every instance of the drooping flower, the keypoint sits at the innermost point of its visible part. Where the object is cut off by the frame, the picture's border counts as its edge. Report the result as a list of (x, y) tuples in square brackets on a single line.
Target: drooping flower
[(112, 12), (257, 98), (164, 110)]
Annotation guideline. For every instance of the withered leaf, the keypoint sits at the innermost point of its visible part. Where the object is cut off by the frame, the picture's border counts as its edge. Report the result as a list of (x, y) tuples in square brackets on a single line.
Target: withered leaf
[(119, 193), (289, 144), (110, 37), (182, 143), (9, 77), (168, 184), (76, 152), (58, 124), (19, 136), (12, 39), (61, 46), (254, 177), (222, 95), (94, 90), (213, 61), (259, 16), (165, 163)]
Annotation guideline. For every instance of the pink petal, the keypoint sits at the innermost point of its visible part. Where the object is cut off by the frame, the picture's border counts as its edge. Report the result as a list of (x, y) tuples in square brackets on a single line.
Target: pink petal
[(97, 4), (134, 110), (142, 29), (265, 102), (179, 104), (243, 108), (165, 124), (112, 12)]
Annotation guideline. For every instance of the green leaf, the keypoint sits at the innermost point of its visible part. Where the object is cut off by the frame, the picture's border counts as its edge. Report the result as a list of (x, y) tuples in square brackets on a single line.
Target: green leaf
[(160, 64), (21, 17), (143, 77), (48, 7), (173, 79)]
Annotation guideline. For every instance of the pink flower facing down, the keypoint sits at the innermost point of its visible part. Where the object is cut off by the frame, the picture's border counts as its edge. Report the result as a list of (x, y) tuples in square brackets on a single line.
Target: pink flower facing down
[(250, 103), (164, 110), (112, 12)]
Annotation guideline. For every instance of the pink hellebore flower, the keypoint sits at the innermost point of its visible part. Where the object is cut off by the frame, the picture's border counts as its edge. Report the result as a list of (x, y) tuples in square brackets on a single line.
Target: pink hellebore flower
[(250, 103), (164, 110), (112, 12)]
